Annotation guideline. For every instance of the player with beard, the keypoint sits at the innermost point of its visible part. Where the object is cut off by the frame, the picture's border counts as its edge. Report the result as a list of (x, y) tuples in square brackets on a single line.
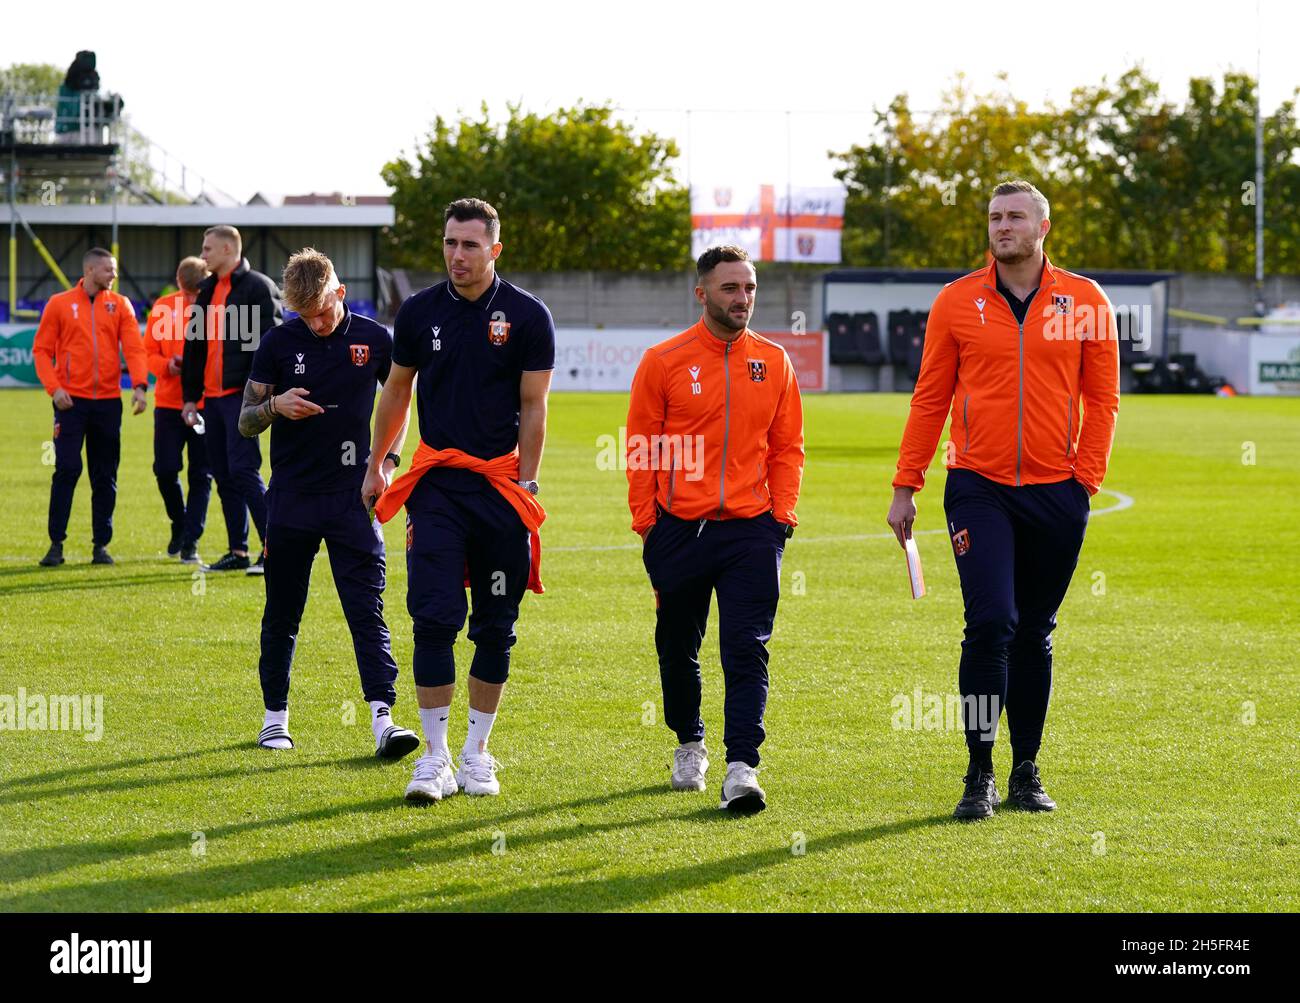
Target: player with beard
[(715, 439), (1026, 357)]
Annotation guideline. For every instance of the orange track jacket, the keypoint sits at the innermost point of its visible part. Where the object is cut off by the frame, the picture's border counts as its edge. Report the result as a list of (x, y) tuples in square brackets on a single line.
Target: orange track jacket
[(164, 339), (76, 344), (1016, 391), (714, 430), (502, 472)]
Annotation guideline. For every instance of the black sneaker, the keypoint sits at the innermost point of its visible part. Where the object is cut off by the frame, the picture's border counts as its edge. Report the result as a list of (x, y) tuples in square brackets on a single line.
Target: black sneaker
[(258, 567), (53, 557), (189, 553), (1025, 790), (100, 555), (230, 562), (174, 544), (980, 797)]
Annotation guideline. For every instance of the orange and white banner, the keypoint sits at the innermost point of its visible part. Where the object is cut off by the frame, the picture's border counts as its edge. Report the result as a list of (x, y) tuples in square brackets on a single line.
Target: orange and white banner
[(771, 223)]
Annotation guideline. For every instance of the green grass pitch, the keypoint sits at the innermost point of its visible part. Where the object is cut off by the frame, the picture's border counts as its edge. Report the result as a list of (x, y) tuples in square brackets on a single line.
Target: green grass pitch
[(1171, 745)]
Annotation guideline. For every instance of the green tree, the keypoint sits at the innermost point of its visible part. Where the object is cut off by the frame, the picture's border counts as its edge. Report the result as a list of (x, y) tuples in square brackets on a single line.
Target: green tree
[(1135, 181), (31, 79), (576, 189)]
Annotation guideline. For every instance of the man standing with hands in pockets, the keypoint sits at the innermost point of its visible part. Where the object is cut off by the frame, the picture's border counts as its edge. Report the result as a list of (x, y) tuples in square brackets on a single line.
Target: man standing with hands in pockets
[(725, 399)]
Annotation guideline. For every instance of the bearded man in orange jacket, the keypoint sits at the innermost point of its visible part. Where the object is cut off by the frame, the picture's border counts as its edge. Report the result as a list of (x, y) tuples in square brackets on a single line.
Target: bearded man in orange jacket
[(714, 463), (76, 351), (1026, 357)]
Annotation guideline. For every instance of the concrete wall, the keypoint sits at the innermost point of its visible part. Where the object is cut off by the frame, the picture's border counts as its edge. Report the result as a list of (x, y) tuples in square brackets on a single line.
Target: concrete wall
[(658, 299), (1230, 296)]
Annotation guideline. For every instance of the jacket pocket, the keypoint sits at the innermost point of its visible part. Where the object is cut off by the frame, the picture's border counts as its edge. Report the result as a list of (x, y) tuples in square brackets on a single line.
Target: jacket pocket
[(672, 483), (1069, 424), (965, 420)]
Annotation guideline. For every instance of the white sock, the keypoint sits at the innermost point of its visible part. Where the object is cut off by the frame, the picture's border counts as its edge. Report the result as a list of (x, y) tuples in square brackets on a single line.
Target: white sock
[(434, 722), (280, 717), (380, 717), (480, 727)]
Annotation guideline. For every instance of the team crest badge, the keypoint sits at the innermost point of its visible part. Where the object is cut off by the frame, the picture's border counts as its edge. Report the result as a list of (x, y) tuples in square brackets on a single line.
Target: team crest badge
[(410, 533), (757, 370), (498, 332), (1062, 304), (806, 243), (110, 306), (360, 354), (961, 542)]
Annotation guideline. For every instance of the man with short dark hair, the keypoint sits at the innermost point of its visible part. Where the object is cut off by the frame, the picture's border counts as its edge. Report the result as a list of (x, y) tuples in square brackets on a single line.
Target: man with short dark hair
[(484, 350), (237, 306), (313, 383), (715, 460), (164, 344), (1016, 350), (76, 351)]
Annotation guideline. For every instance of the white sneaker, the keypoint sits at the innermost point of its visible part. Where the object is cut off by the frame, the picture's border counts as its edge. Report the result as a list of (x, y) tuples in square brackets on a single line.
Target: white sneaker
[(740, 791), (690, 762), (432, 780), (478, 774)]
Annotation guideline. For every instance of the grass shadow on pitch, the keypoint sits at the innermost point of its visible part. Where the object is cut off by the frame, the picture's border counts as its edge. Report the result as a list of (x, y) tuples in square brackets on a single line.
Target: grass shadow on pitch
[(91, 581), (208, 882), (167, 779), (626, 891), (124, 764)]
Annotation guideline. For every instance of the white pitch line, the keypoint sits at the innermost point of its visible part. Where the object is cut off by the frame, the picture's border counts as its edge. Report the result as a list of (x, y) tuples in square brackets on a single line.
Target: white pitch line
[(1123, 502)]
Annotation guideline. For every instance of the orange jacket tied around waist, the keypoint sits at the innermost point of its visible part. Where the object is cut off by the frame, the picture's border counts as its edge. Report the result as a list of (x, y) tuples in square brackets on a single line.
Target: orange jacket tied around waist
[(502, 472)]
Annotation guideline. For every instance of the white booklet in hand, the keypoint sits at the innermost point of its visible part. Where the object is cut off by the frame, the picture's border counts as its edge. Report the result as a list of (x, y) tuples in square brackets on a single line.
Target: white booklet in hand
[(914, 568)]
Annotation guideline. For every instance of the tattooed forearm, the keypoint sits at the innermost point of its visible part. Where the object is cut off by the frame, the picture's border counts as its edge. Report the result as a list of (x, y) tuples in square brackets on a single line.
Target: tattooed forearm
[(257, 411)]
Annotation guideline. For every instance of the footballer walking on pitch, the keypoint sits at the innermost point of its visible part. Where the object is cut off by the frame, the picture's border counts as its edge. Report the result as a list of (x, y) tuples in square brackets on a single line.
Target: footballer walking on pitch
[(164, 345), (313, 382), (715, 461), (76, 355), (484, 350), (1026, 357), (238, 307)]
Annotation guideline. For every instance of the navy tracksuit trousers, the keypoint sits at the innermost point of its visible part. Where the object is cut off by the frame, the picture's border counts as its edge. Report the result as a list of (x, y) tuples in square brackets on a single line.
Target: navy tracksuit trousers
[(236, 465), (687, 562), (97, 424), (171, 439), (1016, 549), (298, 524), (451, 532)]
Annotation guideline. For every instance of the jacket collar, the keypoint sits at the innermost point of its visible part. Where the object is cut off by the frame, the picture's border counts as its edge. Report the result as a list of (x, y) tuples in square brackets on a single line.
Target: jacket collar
[(81, 288), (991, 274), (710, 340)]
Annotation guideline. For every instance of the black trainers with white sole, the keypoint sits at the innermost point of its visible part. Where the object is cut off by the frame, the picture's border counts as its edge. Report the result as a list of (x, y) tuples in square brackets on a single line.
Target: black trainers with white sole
[(228, 562)]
